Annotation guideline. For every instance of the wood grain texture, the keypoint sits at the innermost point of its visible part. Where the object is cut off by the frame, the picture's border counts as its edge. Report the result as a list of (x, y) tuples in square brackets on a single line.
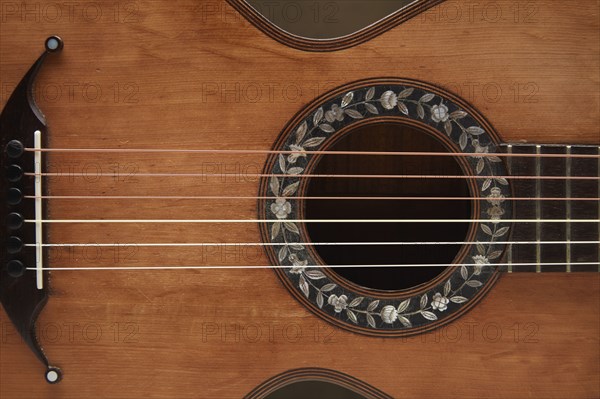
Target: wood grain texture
[(172, 75)]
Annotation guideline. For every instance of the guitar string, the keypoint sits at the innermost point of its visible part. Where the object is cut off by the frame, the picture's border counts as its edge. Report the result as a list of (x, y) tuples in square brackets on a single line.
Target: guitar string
[(308, 152), (221, 267), (329, 176), (279, 244), (321, 176), (178, 221), (219, 197)]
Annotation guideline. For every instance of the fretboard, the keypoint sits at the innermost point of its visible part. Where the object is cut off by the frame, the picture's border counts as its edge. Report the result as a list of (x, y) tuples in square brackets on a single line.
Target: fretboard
[(537, 252)]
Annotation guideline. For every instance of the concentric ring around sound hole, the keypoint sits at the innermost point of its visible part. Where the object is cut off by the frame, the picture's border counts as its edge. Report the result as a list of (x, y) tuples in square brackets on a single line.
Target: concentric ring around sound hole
[(388, 137)]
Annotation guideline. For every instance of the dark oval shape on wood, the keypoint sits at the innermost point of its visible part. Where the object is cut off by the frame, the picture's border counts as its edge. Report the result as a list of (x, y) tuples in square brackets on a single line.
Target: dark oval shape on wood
[(315, 383), (325, 25)]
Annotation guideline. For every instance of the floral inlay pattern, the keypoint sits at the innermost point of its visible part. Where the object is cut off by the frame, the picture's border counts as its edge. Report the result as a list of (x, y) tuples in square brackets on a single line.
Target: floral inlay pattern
[(303, 270)]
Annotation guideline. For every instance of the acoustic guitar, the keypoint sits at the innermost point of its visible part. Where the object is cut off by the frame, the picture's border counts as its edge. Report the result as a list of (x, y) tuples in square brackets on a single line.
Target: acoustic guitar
[(227, 199)]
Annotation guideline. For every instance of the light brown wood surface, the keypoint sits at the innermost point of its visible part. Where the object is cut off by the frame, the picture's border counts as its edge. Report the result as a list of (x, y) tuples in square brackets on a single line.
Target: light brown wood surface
[(193, 332)]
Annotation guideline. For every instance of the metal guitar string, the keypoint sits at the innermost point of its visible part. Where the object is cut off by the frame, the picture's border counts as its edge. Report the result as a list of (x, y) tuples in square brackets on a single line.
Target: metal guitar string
[(329, 176), (176, 221), (514, 177), (278, 244), (307, 152), (359, 176), (220, 267), (220, 197)]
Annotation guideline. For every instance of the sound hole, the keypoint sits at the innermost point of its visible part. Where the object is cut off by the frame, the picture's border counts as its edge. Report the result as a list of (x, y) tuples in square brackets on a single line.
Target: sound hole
[(388, 137)]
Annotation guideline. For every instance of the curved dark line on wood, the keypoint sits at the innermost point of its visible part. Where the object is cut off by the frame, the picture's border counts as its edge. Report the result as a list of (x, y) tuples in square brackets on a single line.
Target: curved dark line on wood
[(322, 45), (316, 374)]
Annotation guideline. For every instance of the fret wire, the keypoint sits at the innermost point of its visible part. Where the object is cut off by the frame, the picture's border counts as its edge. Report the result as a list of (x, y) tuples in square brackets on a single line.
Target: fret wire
[(568, 210), (509, 165), (599, 201), (538, 209), (233, 267)]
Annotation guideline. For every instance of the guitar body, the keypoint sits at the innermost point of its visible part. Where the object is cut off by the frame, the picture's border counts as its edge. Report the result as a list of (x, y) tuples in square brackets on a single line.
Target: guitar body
[(180, 74)]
